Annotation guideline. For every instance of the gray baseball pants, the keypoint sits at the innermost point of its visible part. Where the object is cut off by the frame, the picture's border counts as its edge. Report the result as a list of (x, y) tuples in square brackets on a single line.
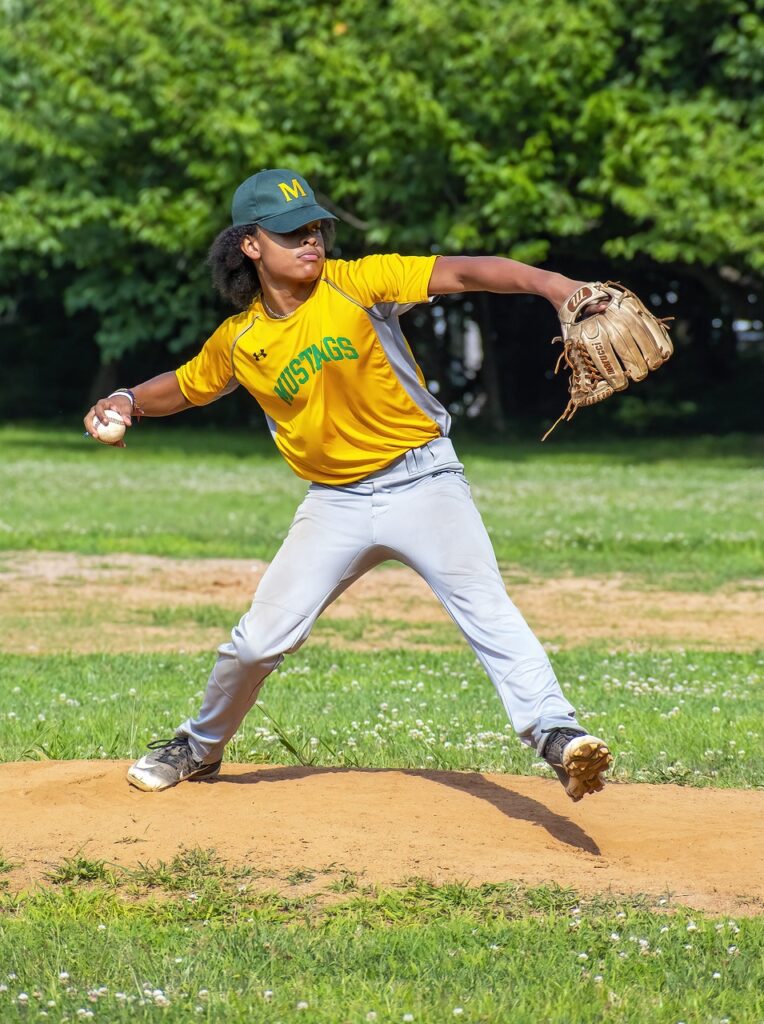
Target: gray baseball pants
[(418, 510)]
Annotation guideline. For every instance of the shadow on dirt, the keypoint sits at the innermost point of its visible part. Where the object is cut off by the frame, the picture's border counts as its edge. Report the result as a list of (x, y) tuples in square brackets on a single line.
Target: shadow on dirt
[(509, 802)]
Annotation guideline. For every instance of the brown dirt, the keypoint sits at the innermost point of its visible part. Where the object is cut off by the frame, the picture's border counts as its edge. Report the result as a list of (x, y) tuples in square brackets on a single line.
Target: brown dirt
[(66, 602), (703, 847)]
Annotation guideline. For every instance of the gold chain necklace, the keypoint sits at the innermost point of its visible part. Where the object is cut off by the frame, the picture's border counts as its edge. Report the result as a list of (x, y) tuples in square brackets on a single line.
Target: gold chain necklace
[(276, 316)]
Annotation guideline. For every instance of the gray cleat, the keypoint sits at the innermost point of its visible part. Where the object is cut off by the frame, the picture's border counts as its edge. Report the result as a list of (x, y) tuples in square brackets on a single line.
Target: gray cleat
[(170, 762), (578, 759)]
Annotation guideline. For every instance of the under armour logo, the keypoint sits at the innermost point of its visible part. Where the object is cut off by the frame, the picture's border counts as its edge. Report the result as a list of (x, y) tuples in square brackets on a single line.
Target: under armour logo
[(257, 356)]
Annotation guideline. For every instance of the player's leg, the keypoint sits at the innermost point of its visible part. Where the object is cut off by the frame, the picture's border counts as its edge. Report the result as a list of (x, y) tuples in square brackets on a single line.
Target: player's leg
[(438, 531), (327, 547)]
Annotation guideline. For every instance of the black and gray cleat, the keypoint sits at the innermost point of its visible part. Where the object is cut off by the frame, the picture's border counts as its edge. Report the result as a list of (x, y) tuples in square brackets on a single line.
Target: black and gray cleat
[(169, 763)]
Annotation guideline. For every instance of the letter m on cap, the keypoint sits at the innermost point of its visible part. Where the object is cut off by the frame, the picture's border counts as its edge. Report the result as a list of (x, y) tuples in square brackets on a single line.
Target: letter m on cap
[(292, 191)]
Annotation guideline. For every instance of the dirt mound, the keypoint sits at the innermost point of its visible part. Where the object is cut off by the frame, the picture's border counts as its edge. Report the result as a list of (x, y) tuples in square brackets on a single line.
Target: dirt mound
[(703, 847)]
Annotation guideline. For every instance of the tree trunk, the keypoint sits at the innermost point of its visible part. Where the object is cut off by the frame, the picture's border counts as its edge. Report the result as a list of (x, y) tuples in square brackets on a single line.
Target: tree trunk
[(104, 381)]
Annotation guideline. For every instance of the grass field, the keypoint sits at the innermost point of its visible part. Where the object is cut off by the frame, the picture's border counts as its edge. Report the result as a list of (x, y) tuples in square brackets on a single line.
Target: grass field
[(671, 717), (194, 939), (688, 511), (190, 941)]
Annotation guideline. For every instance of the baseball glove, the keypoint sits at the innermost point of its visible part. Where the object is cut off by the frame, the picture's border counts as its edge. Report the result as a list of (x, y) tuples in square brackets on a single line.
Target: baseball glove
[(605, 350)]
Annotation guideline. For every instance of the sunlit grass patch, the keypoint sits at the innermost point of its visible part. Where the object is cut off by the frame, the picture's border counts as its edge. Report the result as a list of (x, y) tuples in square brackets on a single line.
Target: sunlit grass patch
[(687, 717), (80, 869), (690, 514), (196, 935)]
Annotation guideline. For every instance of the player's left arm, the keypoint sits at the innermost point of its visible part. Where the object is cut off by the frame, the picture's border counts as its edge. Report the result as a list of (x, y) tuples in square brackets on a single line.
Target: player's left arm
[(454, 274)]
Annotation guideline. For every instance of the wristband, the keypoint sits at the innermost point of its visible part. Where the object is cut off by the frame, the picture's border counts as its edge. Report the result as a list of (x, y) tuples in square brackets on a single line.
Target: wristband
[(136, 410)]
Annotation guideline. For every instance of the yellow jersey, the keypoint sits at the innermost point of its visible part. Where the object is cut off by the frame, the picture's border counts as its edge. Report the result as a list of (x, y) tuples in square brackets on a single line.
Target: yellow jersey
[(336, 379)]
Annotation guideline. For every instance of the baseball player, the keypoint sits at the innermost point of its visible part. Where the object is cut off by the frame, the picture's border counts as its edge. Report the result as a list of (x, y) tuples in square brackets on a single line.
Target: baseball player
[(318, 344)]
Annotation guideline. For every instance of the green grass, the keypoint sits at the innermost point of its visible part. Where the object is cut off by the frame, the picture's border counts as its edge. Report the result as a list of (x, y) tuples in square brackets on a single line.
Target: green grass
[(686, 717), (689, 512), (352, 630), (193, 940)]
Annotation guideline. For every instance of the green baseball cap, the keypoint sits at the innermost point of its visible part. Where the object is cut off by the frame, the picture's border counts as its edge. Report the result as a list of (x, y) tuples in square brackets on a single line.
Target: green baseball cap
[(279, 199)]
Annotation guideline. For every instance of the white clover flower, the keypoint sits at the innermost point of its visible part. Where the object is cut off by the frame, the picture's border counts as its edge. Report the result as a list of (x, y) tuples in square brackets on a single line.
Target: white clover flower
[(583, 956), (302, 1005), (267, 995), (63, 976), (371, 1015), (22, 997), (408, 1016), (691, 926)]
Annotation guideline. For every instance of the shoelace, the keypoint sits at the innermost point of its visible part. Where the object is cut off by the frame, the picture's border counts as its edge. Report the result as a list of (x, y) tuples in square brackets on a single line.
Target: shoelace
[(171, 746)]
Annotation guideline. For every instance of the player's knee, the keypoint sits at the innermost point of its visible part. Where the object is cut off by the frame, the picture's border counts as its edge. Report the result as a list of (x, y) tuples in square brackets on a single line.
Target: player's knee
[(263, 636)]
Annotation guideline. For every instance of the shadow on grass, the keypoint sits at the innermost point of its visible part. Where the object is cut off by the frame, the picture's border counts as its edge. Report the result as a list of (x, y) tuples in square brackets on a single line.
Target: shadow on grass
[(509, 802)]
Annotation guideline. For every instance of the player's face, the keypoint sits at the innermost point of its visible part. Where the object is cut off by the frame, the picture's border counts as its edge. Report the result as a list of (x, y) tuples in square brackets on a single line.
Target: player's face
[(297, 256)]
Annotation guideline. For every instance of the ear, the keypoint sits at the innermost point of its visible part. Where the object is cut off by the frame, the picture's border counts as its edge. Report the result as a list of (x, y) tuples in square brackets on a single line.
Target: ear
[(250, 247)]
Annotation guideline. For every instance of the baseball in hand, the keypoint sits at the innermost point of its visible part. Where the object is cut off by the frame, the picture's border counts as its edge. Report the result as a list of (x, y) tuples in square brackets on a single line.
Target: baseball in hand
[(111, 431)]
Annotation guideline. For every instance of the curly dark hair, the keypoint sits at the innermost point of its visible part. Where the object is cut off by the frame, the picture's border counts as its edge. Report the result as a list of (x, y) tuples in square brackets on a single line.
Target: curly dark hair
[(234, 275)]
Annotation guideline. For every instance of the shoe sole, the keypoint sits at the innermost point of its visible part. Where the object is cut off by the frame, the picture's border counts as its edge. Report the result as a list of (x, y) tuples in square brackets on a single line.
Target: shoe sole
[(207, 771), (583, 760)]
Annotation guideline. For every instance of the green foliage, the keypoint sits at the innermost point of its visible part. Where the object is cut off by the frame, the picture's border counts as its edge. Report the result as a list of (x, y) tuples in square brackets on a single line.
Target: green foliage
[(625, 128)]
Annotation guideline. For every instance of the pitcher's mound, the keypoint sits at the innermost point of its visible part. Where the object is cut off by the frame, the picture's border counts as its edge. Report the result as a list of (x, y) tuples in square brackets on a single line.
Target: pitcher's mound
[(703, 848)]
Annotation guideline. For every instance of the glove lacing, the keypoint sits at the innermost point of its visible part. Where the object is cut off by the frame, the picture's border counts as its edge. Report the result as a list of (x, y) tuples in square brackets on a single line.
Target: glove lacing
[(584, 376)]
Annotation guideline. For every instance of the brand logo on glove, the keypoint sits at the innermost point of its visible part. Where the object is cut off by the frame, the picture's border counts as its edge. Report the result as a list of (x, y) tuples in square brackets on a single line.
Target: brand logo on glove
[(600, 350), (579, 296)]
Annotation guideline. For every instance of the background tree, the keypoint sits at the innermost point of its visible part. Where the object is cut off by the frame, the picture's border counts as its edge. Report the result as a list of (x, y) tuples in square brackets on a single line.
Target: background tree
[(604, 137)]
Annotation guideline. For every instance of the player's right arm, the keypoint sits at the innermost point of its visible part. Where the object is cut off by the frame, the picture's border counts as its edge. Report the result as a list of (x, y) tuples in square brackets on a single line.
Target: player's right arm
[(160, 396), (201, 380)]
